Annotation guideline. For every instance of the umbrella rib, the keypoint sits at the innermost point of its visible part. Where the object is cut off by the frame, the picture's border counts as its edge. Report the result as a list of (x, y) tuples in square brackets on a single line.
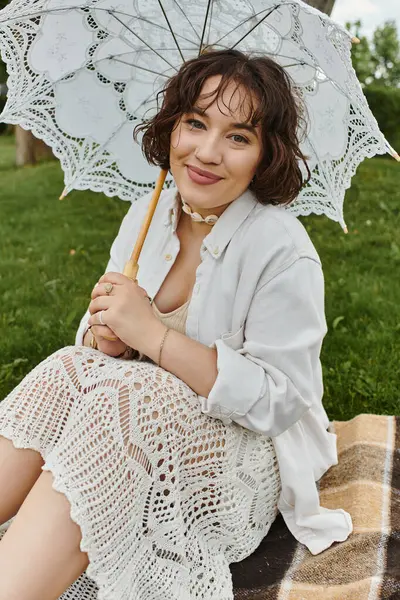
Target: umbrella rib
[(95, 62), (186, 17), (301, 62), (255, 27), (292, 65), (92, 161), (209, 25), (141, 40), (124, 62), (39, 13), (245, 21), (210, 21), (151, 23), (204, 26), (171, 30), (148, 98), (146, 50)]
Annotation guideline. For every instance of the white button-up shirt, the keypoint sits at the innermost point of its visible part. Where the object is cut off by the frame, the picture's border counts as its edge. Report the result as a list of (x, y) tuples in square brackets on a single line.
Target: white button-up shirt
[(258, 299)]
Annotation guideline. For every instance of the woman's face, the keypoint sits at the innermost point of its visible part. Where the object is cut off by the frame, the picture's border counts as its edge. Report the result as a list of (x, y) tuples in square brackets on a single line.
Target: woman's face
[(214, 153)]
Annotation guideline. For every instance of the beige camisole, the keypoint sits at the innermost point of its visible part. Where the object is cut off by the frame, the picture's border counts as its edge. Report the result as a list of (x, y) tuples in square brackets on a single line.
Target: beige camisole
[(176, 319)]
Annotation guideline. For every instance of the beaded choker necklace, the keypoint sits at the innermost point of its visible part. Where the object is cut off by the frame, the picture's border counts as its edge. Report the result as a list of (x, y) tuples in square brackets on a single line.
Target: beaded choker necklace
[(210, 219)]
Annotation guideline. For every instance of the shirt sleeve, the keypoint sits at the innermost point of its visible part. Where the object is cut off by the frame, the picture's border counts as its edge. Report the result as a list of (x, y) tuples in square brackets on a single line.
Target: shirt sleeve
[(270, 381), (305, 451), (269, 371), (119, 252)]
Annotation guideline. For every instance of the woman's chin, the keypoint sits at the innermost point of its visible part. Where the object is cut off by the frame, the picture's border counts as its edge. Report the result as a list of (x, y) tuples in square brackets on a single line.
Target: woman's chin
[(197, 194)]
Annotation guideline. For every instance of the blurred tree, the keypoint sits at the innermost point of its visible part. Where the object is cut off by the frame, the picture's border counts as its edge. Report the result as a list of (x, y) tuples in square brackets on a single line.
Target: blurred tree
[(377, 61), (361, 54), (3, 74), (325, 6), (28, 148), (386, 55)]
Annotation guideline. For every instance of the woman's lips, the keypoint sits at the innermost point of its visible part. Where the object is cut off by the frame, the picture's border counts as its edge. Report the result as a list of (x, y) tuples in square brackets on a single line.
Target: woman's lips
[(199, 177)]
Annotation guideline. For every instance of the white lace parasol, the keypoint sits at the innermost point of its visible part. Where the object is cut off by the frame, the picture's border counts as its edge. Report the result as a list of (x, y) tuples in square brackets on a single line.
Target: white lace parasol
[(81, 75)]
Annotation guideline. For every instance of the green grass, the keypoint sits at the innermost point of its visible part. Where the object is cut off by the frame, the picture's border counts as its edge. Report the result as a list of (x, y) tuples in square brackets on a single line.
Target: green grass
[(44, 289)]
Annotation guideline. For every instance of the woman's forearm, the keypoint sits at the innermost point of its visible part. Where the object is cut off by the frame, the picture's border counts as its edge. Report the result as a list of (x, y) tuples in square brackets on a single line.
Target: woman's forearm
[(191, 361)]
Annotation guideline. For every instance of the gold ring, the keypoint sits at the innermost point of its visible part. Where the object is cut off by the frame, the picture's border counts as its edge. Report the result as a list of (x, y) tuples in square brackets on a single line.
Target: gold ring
[(109, 288)]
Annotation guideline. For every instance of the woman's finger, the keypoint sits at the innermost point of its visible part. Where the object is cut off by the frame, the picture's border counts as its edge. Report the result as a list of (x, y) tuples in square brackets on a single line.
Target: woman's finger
[(100, 290), (99, 303), (104, 332), (98, 318), (145, 294), (115, 278)]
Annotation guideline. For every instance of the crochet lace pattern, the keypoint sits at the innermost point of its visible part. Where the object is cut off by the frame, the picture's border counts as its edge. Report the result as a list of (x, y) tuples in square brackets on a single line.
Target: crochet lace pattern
[(165, 496)]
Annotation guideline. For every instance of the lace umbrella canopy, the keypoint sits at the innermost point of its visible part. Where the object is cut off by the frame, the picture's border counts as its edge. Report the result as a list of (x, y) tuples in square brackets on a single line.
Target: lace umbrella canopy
[(81, 75)]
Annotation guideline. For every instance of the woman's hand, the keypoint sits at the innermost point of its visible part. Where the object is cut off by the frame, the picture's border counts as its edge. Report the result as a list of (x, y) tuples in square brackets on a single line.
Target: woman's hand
[(112, 347), (127, 313)]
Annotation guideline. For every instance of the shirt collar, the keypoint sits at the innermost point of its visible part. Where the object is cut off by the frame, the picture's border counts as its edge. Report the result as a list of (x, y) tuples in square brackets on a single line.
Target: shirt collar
[(224, 229)]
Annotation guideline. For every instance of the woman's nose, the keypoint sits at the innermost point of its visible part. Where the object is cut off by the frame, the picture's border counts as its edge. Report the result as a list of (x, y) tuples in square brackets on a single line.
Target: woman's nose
[(208, 150)]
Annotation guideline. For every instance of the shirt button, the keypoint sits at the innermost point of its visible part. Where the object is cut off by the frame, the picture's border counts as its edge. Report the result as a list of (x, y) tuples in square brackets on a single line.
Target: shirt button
[(168, 256), (216, 250)]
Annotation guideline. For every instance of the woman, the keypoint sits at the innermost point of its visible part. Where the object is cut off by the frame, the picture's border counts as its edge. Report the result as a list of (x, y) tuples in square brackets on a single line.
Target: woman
[(161, 470)]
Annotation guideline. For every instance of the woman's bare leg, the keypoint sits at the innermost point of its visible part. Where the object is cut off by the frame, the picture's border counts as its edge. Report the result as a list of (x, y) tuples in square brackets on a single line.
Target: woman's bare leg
[(40, 554), (19, 470)]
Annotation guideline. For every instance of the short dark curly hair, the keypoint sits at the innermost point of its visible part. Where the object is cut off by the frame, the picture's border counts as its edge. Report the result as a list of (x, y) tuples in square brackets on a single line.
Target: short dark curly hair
[(278, 109)]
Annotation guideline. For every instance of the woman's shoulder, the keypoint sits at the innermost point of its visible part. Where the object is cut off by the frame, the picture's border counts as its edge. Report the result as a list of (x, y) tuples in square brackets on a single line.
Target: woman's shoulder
[(277, 231)]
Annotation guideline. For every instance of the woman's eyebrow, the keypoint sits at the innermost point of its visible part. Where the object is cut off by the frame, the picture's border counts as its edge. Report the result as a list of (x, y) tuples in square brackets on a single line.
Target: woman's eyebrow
[(246, 126)]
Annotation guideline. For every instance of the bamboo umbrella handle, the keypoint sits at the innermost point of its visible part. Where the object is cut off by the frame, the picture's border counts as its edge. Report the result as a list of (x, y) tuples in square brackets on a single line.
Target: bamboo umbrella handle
[(132, 267)]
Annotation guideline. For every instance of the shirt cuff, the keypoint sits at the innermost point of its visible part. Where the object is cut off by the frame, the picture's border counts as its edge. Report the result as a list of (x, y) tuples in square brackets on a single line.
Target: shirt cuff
[(242, 393), (82, 329), (320, 530), (232, 396), (305, 452)]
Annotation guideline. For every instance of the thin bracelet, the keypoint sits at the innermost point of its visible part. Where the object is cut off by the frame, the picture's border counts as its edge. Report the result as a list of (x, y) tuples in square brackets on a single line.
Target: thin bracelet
[(162, 345)]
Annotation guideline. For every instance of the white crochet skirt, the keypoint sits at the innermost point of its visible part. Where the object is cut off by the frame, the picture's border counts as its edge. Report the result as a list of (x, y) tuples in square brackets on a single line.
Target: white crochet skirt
[(165, 496)]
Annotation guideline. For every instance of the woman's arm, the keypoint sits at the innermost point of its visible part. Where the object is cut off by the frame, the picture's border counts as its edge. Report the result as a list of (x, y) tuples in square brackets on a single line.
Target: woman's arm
[(119, 253), (268, 375), (269, 372), (191, 361)]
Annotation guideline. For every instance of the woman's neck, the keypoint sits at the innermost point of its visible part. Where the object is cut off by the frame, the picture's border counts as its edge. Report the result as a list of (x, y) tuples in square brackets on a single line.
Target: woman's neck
[(198, 229)]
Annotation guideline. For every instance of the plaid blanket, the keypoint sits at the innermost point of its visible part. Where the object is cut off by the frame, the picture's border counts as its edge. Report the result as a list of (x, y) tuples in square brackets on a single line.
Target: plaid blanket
[(366, 483)]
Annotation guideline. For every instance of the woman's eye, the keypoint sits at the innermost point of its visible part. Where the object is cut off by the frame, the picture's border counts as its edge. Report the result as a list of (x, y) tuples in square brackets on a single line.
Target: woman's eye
[(240, 139), (195, 124)]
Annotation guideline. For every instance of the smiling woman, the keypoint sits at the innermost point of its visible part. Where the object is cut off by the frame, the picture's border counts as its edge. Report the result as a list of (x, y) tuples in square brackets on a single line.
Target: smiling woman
[(239, 116), (170, 468), (221, 140)]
